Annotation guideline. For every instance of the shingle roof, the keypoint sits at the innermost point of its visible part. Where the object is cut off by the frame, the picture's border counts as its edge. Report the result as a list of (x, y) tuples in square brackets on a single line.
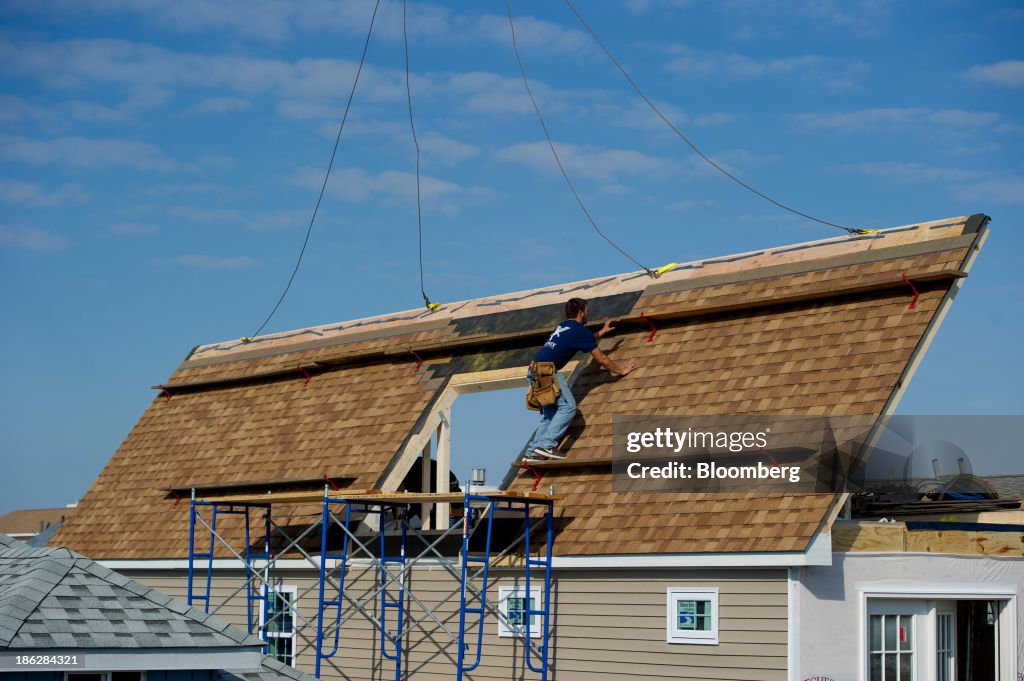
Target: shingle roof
[(270, 670), (822, 327), (31, 521), (53, 597)]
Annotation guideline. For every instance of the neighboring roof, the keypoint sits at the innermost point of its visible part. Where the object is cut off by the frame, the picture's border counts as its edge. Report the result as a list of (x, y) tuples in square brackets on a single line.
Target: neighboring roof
[(270, 670), (32, 521), (53, 598), (823, 327)]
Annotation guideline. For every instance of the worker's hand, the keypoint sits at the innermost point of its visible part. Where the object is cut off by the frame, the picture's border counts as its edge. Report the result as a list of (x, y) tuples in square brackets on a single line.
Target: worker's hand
[(628, 369), (606, 329)]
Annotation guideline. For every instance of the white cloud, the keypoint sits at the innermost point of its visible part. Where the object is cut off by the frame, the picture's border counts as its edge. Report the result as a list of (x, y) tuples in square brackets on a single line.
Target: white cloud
[(211, 262), (1008, 73), (357, 185), (89, 153), (31, 239), (16, 191), (833, 73), (445, 150), (964, 183), (532, 33), (132, 229), (595, 163), (1008, 189), (711, 119), (690, 204), (220, 105), (862, 120), (257, 220)]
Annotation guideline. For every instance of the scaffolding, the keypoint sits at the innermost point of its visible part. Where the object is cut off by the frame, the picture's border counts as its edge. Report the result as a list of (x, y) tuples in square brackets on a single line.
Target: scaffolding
[(383, 515)]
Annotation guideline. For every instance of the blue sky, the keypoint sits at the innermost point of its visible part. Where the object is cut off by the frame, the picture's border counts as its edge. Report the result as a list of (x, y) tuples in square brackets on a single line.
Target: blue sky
[(159, 160)]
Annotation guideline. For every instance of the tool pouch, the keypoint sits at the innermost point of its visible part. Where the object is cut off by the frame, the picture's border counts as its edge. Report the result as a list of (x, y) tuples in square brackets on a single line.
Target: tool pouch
[(544, 389)]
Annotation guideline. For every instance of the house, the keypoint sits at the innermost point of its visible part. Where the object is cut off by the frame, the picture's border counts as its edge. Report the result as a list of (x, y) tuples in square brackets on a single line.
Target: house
[(324, 424), (29, 523), (61, 613)]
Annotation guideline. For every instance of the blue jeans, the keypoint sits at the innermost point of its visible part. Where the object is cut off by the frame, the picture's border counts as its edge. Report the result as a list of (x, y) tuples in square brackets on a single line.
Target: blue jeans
[(554, 419)]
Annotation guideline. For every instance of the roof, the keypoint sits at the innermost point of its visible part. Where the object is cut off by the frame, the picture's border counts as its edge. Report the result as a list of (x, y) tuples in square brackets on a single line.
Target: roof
[(270, 670), (32, 521), (822, 328), (54, 598)]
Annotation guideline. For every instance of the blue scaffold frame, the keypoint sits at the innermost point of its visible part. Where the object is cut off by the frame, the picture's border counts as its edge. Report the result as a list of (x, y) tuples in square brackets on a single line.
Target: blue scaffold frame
[(392, 598), (255, 595), (536, 657)]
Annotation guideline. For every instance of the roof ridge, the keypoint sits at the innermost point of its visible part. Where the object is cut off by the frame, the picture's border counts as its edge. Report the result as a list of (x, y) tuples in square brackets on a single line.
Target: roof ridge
[(67, 567)]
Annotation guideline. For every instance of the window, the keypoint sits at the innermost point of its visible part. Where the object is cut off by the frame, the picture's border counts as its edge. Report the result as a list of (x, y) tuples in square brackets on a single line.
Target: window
[(693, 616), (945, 647), (891, 641), (280, 619), (512, 603)]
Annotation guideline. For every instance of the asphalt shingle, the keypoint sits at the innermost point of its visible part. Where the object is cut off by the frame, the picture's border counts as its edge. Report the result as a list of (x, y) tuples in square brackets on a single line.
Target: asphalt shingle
[(54, 597)]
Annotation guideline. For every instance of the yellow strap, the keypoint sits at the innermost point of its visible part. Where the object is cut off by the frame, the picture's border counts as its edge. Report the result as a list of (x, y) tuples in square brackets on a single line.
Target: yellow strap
[(245, 340), (433, 307), (667, 268), (867, 231)]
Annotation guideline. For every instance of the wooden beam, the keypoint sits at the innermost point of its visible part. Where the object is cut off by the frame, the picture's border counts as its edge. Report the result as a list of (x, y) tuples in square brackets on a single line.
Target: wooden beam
[(258, 484), (426, 484), (556, 464), (444, 465), (858, 536)]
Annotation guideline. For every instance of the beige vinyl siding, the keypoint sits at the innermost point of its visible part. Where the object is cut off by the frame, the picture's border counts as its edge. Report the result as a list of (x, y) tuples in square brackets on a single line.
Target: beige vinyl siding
[(606, 624)]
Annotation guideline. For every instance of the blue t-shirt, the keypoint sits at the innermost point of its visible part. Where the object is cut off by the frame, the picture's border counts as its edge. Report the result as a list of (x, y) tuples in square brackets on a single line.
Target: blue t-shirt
[(566, 340)]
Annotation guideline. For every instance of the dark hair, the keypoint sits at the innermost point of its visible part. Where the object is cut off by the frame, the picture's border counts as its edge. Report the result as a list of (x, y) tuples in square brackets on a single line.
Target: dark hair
[(574, 307)]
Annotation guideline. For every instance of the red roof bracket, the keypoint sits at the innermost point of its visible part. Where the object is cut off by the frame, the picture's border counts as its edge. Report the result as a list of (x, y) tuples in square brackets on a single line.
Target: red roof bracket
[(913, 303), (419, 360), (305, 373), (330, 482), (654, 330), (167, 392), (536, 474)]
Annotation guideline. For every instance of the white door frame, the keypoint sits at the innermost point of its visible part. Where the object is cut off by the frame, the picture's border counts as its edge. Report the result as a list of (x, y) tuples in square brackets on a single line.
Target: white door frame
[(1007, 623)]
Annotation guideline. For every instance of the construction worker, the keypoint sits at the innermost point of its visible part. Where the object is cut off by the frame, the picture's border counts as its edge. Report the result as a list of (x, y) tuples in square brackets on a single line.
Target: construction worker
[(549, 391)]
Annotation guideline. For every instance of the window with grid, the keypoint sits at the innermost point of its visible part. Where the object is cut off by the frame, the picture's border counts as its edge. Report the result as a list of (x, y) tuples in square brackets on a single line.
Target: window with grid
[(891, 641), (513, 604), (693, 615), (944, 647), (280, 621)]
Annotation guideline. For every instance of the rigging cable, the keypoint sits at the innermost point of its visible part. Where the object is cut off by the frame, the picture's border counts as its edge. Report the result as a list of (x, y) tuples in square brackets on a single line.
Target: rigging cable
[(683, 137), (327, 175), (416, 143), (554, 152)]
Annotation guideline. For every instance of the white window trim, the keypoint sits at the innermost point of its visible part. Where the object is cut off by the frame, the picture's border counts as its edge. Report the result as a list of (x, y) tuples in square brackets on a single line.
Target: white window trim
[(688, 593), (507, 592), (294, 591), (915, 590)]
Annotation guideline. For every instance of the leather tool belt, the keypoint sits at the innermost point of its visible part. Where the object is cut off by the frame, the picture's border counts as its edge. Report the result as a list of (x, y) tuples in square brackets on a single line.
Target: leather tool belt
[(544, 389)]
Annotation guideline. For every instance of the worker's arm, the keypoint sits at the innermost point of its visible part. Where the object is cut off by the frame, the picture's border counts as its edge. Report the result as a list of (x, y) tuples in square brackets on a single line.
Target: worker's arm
[(609, 364)]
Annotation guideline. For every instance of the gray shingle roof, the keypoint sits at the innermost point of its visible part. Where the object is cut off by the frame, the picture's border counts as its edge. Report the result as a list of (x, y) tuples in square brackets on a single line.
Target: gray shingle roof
[(53, 597), (270, 670)]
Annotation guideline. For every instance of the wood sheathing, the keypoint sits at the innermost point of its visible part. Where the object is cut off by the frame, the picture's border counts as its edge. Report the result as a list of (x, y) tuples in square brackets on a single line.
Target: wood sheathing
[(818, 328)]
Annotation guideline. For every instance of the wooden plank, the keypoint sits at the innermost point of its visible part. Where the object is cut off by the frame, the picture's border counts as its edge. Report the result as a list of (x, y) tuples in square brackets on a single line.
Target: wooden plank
[(549, 464), (856, 536), (277, 482), (290, 498), (873, 537)]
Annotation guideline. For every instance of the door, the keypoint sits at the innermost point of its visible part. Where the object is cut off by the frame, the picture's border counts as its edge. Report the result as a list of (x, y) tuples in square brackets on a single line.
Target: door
[(897, 640)]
